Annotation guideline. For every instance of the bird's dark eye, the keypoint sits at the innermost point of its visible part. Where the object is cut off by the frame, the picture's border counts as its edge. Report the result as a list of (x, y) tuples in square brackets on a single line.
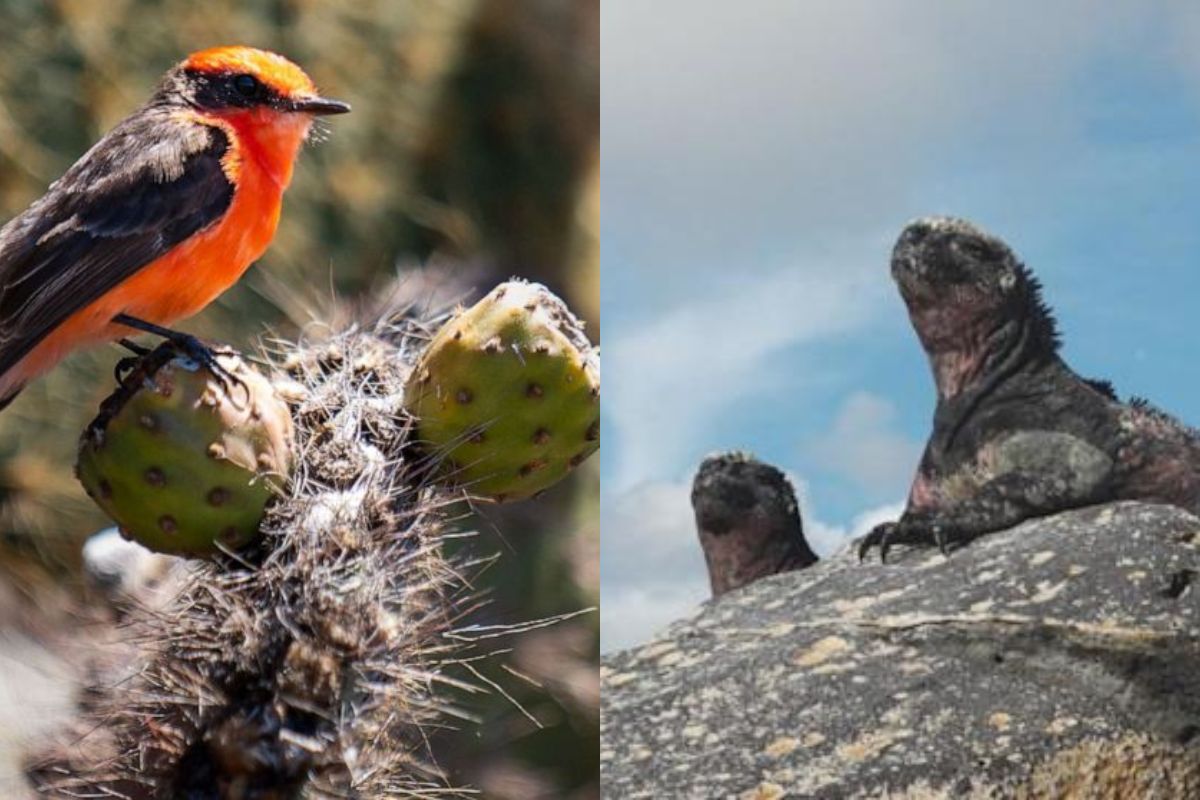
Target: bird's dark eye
[(247, 86)]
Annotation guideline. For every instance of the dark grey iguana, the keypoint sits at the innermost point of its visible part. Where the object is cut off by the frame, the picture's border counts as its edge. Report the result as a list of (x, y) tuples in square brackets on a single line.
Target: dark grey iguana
[(748, 521), (1016, 434)]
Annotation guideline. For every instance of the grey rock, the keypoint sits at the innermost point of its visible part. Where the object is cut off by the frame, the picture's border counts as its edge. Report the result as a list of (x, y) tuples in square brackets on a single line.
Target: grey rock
[(1060, 658)]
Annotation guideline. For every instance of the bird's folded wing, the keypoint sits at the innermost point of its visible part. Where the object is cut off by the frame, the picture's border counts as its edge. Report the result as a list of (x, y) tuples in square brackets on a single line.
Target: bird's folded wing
[(149, 184)]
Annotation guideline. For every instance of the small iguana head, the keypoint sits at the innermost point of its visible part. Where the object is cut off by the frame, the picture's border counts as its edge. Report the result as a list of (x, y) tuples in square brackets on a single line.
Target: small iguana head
[(748, 521), (968, 296)]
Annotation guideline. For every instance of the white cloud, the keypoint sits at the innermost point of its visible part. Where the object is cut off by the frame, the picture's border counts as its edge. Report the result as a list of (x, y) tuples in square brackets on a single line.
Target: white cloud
[(651, 567), (652, 570), (827, 538), (633, 615), (725, 125), (649, 534), (676, 373), (864, 522), (864, 446)]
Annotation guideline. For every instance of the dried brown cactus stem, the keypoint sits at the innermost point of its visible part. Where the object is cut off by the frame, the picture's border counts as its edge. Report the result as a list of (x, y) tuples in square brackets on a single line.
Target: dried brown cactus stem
[(254, 746)]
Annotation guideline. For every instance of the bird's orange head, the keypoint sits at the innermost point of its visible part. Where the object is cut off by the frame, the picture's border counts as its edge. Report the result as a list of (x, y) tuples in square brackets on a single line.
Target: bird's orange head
[(265, 100), (232, 79)]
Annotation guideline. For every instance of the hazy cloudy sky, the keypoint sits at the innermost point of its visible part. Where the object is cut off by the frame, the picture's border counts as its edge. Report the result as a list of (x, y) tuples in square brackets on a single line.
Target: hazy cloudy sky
[(759, 159)]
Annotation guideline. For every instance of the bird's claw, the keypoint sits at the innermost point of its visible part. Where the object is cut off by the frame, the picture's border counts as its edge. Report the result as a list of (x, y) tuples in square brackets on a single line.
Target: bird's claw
[(186, 345), (206, 356), (124, 367)]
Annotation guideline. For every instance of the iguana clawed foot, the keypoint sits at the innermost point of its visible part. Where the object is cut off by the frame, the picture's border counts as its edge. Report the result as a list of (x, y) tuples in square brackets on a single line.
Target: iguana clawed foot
[(910, 530)]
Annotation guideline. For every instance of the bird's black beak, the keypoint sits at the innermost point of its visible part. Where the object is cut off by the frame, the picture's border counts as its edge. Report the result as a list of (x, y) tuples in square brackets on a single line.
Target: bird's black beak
[(318, 105)]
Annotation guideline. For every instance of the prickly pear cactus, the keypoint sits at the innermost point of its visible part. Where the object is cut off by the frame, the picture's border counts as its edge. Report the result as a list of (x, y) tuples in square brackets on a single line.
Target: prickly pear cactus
[(310, 666), (508, 393), (183, 462), (307, 667)]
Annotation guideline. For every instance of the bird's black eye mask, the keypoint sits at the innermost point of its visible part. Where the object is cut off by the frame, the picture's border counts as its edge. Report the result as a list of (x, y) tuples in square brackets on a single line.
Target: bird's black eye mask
[(231, 90)]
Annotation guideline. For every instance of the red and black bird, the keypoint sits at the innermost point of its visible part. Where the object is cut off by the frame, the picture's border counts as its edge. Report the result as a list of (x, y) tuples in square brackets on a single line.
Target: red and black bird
[(161, 216)]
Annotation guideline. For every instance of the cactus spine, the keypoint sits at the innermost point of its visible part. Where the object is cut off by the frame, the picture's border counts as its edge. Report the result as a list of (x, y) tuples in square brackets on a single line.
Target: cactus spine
[(307, 664)]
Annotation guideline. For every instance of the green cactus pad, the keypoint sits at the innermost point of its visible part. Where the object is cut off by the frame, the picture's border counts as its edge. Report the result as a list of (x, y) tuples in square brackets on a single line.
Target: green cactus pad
[(183, 463), (508, 393)]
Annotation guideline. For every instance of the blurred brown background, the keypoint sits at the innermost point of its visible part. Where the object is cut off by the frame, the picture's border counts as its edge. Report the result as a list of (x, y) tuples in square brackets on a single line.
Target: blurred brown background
[(473, 148)]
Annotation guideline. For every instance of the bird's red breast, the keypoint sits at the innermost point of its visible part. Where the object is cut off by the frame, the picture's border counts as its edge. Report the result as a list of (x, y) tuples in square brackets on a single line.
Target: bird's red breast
[(189, 276)]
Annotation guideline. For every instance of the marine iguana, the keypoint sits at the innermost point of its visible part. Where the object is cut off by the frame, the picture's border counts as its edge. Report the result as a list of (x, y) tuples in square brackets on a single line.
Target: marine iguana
[(748, 521), (1016, 433)]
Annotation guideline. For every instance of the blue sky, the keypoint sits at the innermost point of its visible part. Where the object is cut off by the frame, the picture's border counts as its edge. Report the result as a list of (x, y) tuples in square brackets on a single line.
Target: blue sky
[(758, 161)]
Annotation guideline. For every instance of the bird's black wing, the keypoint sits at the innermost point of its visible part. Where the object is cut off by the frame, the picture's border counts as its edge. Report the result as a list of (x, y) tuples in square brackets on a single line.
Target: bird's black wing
[(152, 182)]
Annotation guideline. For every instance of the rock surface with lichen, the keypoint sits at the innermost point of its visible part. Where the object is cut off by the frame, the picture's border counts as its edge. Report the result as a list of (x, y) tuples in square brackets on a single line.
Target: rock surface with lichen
[(1055, 659)]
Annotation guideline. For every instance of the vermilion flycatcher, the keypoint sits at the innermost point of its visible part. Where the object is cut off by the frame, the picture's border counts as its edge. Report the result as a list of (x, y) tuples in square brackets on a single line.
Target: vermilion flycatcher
[(162, 215)]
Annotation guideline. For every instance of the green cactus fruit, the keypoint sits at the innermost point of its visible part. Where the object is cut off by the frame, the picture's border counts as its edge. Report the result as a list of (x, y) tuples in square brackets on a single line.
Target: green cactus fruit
[(185, 460), (508, 393)]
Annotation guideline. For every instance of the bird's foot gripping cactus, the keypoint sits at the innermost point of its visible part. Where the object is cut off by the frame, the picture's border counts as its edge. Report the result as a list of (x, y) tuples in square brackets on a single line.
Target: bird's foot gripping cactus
[(306, 665), (508, 393), (185, 460)]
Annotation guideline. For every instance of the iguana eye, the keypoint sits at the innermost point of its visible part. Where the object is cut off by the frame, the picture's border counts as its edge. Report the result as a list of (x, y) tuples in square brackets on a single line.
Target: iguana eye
[(976, 250)]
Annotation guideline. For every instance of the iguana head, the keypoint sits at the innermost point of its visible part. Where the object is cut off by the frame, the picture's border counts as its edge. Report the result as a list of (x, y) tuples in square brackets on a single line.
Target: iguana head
[(748, 521), (969, 298), (939, 260)]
